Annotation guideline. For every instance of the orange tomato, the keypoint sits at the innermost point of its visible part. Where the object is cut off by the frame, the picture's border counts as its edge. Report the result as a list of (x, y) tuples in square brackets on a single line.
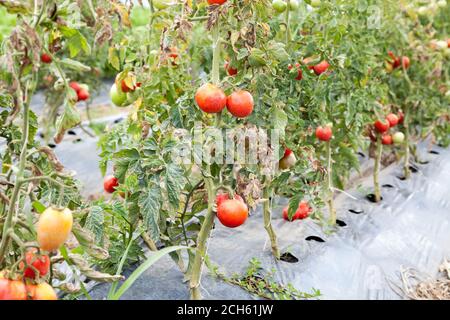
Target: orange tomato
[(54, 227)]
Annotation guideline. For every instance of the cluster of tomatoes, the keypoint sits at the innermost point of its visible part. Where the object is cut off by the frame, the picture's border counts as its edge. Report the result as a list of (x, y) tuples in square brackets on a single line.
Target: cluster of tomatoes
[(53, 229), (119, 95), (212, 99), (318, 69), (82, 90), (398, 62), (280, 6), (382, 127)]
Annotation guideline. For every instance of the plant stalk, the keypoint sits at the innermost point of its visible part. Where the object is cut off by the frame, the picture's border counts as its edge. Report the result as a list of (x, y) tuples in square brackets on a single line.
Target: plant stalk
[(406, 170), (202, 240), (268, 224), (376, 170), (330, 188)]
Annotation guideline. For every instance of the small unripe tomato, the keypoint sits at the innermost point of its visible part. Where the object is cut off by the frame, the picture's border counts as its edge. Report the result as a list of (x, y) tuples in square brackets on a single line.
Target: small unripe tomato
[(293, 5), (40, 262), (232, 213), (42, 291), (240, 103), (398, 138), (162, 4), (279, 5), (46, 58), (53, 228), (315, 3), (117, 96), (210, 98), (110, 183)]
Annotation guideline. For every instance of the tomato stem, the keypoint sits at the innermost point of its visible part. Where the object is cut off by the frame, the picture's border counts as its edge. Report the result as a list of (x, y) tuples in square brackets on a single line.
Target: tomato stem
[(376, 170), (202, 239), (330, 201), (215, 71), (268, 223), (406, 170), (288, 23)]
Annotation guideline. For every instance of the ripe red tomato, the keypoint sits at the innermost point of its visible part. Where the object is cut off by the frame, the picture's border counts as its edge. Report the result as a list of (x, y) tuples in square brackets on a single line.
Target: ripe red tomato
[(392, 119), (12, 290), (216, 1), (240, 103), (125, 88), (381, 126), (46, 58), (321, 67), (225, 196), (448, 43), (232, 213), (302, 212), (386, 139), (324, 133), (40, 262), (399, 62), (210, 98), (288, 161), (401, 117), (75, 86), (230, 70), (42, 291), (110, 183), (83, 95), (54, 227), (299, 71)]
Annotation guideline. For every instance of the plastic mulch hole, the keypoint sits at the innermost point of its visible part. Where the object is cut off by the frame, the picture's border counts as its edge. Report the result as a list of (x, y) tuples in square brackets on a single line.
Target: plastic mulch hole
[(371, 197), (424, 162), (78, 140), (161, 246), (41, 135), (314, 238), (401, 178), (118, 120), (288, 257), (434, 152), (361, 154), (355, 211), (52, 145), (71, 132), (413, 169), (387, 185), (340, 223)]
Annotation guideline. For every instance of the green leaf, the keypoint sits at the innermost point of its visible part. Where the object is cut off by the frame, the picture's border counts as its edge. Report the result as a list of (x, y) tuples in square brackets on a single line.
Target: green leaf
[(69, 119), (150, 204), (39, 207), (94, 222), (142, 268), (174, 182), (75, 65), (75, 41)]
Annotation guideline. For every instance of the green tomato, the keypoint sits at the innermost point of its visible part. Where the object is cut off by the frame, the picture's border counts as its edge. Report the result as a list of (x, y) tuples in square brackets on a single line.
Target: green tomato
[(293, 5), (279, 5), (162, 4), (84, 86), (117, 97), (315, 3), (398, 138)]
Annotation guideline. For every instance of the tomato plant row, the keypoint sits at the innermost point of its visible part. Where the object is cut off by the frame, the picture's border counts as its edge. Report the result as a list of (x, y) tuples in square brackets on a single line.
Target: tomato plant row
[(330, 78)]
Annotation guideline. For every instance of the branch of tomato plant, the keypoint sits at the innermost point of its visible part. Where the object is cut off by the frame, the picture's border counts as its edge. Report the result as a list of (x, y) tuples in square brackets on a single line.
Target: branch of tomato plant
[(186, 203), (288, 22), (9, 223), (330, 188), (376, 170), (268, 220)]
